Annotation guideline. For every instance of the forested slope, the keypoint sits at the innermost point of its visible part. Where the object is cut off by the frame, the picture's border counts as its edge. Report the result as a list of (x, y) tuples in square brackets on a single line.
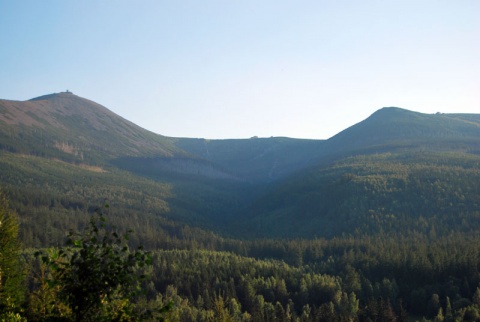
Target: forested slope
[(393, 128), (257, 159), (378, 223), (427, 192)]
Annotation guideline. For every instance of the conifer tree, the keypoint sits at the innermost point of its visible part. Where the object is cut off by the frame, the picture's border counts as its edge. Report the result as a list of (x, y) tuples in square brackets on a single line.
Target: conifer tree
[(11, 273)]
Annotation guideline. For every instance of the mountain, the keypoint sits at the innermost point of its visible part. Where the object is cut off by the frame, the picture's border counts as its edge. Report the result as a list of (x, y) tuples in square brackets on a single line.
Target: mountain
[(395, 128), (75, 129), (378, 222), (396, 171), (257, 159), (62, 155)]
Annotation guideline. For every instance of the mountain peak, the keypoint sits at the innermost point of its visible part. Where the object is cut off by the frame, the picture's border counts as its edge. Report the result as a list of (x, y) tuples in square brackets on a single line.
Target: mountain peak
[(391, 109), (67, 94), (398, 126), (393, 112), (88, 128)]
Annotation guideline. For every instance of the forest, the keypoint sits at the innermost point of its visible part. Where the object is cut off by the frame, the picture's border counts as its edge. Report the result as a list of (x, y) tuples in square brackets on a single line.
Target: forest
[(101, 220), (391, 267), (195, 275)]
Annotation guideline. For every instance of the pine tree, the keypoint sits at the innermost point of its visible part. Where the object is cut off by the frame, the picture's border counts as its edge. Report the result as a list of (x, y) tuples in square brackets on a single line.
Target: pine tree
[(439, 317), (448, 309), (12, 287), (476, 297)]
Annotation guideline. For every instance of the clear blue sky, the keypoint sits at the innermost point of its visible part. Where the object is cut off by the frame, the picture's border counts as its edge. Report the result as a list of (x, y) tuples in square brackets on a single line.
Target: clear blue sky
[(236, 68)]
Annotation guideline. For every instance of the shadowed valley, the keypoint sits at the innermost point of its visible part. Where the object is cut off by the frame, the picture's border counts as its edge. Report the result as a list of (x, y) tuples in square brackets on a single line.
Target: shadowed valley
[(375, 223)]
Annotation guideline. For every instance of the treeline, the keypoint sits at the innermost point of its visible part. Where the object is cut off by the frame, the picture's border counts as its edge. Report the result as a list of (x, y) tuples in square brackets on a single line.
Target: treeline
[(381, 278), (402, 238), (369, 278), (429, 193), (415, 274)]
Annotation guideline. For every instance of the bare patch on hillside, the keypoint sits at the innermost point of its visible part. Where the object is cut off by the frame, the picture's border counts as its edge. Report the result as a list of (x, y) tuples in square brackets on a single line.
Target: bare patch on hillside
[(68, 148), (92, 168), (83, 166)]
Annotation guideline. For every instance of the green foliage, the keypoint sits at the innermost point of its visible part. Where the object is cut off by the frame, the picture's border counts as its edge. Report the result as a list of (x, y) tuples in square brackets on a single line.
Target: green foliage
[(378, 277), (365, 277), (44, 302), (390, 208), (257, 159), (12, 286), (52, 196), (57, 195), (97, 273), (427, 192)]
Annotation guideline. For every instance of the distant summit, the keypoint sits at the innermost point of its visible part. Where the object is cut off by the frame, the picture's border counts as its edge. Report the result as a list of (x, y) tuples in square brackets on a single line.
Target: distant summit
[(47, 124), (397, 127), (54, 95), (377, 175), (69, 127)]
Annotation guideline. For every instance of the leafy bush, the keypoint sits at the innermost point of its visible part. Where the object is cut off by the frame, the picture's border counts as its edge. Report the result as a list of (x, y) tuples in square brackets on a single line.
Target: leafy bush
[(97, 274)]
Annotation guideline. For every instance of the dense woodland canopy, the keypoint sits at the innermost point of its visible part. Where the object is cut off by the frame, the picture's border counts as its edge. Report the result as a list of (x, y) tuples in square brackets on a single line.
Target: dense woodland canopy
[(419, 267), (379, 278), (379, 223)]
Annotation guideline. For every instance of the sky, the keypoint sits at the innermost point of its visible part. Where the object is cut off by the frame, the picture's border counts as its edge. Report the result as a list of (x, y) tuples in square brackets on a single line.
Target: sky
[(237, 69)]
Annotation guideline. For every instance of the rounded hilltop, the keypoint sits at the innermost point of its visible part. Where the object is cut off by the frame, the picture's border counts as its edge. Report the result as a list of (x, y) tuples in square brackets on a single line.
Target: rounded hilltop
[(65, 94)]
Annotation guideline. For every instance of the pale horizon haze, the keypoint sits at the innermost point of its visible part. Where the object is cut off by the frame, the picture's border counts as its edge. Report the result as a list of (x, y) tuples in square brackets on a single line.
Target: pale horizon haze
[(237, 69)]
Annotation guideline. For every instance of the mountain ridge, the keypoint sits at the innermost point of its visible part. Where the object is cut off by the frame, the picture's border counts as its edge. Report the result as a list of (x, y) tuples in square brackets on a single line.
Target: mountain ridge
[(91, 130), (379, 221), (262, 186), (401, 128)]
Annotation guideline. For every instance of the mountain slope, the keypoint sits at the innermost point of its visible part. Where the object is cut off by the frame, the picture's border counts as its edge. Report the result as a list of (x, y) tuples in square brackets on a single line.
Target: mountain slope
[(395, 171), (257, 159), (62, 155), (389, 192), (75, 129), (395, 128)]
